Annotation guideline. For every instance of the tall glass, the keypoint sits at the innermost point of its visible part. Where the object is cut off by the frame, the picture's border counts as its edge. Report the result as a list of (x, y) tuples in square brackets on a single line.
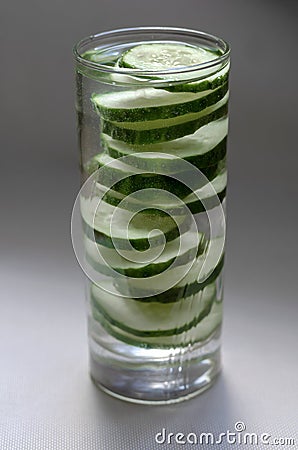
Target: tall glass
[(152, 109)]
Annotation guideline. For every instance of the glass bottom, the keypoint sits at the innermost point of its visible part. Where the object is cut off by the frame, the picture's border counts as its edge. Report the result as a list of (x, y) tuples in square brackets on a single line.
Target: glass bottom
[(154, 376)]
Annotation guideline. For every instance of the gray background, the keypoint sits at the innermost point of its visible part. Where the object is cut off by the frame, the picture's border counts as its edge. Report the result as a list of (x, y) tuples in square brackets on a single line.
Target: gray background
[(46, 398)]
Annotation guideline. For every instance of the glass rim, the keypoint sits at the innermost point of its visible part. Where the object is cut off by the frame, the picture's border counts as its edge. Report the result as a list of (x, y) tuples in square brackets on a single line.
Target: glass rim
[(138, 72)]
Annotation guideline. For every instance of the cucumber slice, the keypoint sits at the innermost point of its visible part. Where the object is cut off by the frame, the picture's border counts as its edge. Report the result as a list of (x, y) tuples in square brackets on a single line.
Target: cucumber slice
[(153, 319), (196, 202), (166, 55), (188, 285), (133, 179), (165, 129), (201, 200), (97, 225), (204, 148), (157, 260), (151, 104), (211, 82), (203, 331), (100, 57), (194, 81)]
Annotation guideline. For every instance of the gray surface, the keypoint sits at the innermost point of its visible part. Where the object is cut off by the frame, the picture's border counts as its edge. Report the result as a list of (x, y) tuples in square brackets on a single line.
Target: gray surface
[(46, 398)]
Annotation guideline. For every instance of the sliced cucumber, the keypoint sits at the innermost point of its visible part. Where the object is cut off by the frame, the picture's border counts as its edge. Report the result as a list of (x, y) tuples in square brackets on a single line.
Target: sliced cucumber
[(204, 148), (144, 291), (197, 81), (203, 199), (97, 225), (134, 264), (209, 82), (184, 120), (100, 57), (153, 319), (133, 179), (151, 104), (203, 331), (165, 55), (200, 200), (165, 129), (193, 81)]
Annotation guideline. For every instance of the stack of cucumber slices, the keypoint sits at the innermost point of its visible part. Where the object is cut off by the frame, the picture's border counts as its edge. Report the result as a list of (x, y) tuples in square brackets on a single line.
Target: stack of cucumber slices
[(134, 238)]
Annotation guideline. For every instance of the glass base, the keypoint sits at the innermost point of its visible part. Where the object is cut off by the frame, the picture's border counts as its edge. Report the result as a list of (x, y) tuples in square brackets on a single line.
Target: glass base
[(154, 376)]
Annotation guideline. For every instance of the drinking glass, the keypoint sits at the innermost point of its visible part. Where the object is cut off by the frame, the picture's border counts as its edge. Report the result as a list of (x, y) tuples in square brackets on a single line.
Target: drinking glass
[(148, 225)]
